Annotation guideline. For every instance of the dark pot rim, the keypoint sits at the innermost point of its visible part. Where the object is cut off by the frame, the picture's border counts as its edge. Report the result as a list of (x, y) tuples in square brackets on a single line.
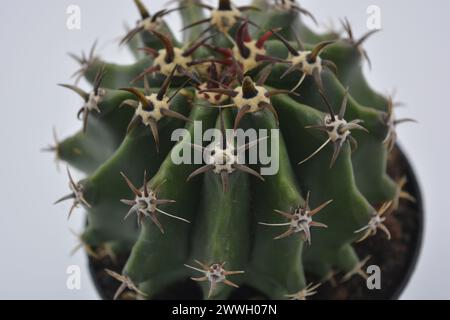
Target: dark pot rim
[(414, 251), (417, 243)]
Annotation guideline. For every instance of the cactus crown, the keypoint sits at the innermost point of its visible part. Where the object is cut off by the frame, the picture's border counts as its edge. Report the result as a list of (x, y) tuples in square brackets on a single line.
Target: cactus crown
[(255, 66)]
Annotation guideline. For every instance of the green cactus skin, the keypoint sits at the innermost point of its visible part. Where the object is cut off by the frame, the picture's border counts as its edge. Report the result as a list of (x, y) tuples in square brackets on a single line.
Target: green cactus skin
[(233, 226)]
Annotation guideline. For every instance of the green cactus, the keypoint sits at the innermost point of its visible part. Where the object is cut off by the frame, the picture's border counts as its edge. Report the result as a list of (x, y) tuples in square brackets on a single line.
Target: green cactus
[(236, 68)]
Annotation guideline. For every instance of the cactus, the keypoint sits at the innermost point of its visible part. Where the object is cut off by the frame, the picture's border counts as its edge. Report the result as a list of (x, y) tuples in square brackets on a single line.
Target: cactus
[(222, 223)]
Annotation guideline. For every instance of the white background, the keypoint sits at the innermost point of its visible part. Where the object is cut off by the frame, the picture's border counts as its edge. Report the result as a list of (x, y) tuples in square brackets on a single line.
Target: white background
[(411, 54)]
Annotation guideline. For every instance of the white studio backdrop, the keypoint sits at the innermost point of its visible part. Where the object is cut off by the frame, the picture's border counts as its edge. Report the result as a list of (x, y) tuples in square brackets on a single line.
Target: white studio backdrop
[(410, 54)]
